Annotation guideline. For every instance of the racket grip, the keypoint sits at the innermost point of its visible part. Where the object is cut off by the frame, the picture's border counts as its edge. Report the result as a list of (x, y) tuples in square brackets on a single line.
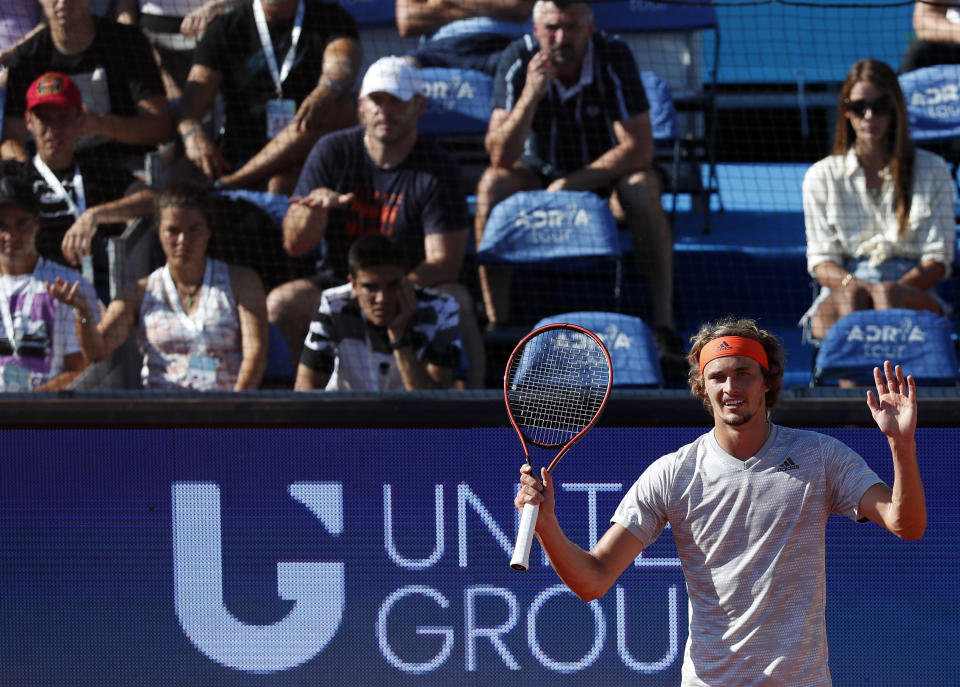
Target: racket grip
[(521, 552)]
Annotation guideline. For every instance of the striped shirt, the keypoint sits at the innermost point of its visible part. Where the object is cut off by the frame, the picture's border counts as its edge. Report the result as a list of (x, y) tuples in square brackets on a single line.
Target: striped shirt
[(573, 126), (356, 354)]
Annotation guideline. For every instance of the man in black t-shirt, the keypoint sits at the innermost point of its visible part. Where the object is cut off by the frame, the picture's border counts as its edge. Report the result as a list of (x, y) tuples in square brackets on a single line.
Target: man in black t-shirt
[(285, 69), (126, 110), (570, 113), (77, 195), (381, 177)]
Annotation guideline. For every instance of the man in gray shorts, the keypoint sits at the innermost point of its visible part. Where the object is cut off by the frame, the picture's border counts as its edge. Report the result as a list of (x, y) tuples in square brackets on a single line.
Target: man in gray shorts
[(748, 505)]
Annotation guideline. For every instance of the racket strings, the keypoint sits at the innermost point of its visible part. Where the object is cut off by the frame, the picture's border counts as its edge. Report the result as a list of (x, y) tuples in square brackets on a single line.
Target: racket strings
[(556, 386)]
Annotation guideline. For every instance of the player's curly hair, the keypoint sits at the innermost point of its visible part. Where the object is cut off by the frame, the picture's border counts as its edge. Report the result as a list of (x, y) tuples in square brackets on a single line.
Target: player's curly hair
[(747, 328)]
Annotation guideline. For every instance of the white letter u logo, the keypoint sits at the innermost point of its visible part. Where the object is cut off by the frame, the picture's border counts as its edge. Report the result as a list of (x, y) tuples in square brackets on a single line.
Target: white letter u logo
[(317, 589)]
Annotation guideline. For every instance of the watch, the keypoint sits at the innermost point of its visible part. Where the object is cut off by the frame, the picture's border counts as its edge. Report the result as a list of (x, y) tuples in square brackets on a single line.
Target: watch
[(402, 342)]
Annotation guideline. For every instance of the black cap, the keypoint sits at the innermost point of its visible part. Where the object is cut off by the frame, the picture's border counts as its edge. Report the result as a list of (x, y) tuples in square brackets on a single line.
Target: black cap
[(19, 192)]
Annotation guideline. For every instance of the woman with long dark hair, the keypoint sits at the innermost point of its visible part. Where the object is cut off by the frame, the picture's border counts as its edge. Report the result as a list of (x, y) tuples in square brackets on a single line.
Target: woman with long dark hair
[(878, 212)]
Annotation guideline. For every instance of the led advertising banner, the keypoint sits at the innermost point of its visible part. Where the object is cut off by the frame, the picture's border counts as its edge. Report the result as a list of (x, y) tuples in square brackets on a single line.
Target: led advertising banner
[(361, 557)]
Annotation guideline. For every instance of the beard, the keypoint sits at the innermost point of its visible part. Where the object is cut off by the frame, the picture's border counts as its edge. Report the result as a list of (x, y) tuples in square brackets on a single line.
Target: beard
[(562, 54)]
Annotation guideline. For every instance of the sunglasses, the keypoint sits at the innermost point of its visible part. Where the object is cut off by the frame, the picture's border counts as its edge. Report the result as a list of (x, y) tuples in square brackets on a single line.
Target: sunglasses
[(881, 106)]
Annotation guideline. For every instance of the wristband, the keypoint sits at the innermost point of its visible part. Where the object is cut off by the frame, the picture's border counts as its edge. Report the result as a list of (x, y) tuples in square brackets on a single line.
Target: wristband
[(191, 131), (330, 83)]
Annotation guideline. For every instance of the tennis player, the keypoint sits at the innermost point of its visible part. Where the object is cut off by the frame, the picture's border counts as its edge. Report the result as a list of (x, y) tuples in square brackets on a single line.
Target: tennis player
[(748, 505)]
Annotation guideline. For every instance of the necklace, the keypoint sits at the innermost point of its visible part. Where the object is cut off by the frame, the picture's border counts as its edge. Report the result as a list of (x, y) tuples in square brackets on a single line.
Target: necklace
[(188, 298)]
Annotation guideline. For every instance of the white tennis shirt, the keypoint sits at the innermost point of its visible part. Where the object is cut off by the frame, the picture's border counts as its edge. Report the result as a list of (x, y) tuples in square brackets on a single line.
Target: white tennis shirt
[(750, 537)]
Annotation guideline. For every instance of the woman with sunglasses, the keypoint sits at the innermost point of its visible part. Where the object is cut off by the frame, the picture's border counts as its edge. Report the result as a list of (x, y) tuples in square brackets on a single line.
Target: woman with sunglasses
[(878, 212)]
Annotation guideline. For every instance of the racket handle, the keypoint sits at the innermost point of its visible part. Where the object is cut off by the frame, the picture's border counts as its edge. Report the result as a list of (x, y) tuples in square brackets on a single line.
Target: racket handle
[(521, 552)]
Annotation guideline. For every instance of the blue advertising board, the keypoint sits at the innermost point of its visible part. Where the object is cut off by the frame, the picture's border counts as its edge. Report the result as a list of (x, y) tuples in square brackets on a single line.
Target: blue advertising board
[(357, 557)]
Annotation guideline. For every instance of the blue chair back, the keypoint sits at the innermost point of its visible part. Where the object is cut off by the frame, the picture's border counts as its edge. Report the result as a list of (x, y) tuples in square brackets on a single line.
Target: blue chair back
[(663, 115), (459, 101), (933, 101), (544, 226), (919, 341), (632, 349), (641, 15)]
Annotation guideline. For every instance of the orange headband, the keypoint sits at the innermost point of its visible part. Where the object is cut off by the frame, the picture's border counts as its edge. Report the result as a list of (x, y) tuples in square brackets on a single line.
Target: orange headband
[(733, 345)]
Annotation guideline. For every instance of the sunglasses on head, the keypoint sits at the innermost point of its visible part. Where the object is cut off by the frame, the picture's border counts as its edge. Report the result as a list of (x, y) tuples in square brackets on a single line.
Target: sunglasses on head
[(881, 106)]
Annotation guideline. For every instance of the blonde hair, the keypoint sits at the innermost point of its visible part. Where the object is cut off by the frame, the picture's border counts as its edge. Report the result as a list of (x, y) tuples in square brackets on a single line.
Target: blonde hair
[(747, 328)]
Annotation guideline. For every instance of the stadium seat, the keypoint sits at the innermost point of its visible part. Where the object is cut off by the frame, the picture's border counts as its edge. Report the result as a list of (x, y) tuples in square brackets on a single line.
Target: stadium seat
[(667, 38), (629, 341), (918, 340), (564, 231), (933, 107)]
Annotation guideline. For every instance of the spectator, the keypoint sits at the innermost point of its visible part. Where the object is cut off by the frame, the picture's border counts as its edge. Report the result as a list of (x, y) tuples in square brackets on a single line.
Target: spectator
[(937, 26), (172, 27), (380, 177), (38, 347), (76, 196), (126, 110), (570, 113), (467, 34), (380, 332), (280, 95), (200, 323), (878, 212), (747, 504)]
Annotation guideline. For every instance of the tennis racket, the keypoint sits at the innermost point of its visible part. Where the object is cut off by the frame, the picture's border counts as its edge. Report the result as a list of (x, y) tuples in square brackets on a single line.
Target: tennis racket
[(556, 386)]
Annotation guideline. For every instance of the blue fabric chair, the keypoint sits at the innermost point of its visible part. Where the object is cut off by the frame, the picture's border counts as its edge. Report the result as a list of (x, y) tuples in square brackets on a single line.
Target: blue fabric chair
[(628, 339), (459, 101), (545, 226), (933, 108), (918, 340)]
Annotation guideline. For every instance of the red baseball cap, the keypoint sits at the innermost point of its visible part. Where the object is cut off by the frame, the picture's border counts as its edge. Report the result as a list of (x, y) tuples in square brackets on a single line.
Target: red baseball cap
[(54, 88)]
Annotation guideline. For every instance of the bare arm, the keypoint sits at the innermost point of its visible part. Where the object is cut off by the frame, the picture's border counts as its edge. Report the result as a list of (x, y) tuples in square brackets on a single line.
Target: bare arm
[(508, 130), (305, 223), (341, 64), (924, 276), (252, 309), (199, 92), (151, 124), (588, 574), (195, 23), (128, 11), (633, 152), (308, 379), (930, 23), (418, 17), (901, 509), (73, 365), (97, 341), (443, 258), (14, 146), (79, 237)]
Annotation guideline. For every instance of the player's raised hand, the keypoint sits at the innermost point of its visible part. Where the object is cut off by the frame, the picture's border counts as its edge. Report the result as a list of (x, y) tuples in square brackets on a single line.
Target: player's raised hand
[(894, 406)]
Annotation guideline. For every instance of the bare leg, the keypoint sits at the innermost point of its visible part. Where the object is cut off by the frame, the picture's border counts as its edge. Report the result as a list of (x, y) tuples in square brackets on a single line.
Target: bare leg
[(840, 303), (291, 307), (637, 201), (495, 185)]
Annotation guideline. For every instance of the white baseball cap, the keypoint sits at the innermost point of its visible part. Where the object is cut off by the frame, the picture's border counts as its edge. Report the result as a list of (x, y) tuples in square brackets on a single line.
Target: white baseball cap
[(393, 75)]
